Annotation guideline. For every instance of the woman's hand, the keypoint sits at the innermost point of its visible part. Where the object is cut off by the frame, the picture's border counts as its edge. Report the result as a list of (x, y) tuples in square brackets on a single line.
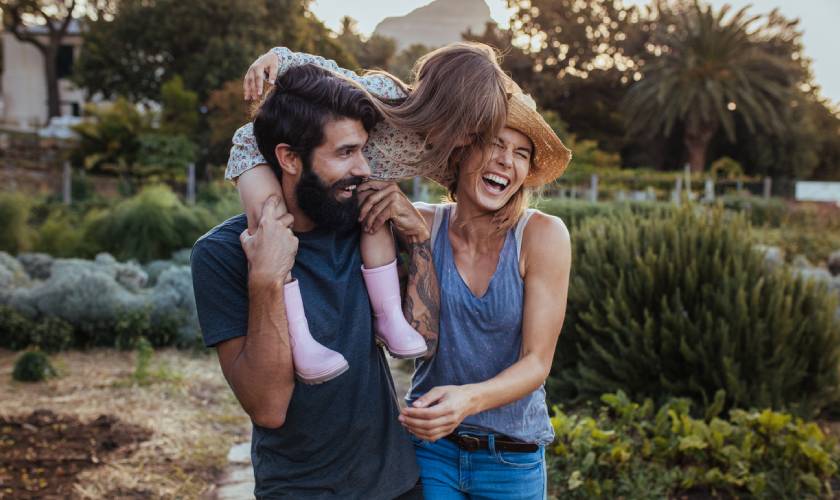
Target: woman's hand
[(438, 412), (255, 77), (381, 201)]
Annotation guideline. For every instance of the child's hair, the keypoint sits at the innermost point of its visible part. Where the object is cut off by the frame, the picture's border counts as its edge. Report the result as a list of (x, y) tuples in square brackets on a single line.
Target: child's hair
[(301, 102), (458, 97)]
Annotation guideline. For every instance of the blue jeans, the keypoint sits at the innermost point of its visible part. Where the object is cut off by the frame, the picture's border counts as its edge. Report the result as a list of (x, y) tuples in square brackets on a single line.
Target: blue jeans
[(448, 472)]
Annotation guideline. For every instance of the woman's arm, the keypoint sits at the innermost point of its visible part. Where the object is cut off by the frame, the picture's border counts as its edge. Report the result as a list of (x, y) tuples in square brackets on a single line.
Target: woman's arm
[(381, 202), (546, 254)]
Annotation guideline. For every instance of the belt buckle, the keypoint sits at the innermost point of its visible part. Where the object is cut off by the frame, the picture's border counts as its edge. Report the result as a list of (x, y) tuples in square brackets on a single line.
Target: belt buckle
[(470, 443)]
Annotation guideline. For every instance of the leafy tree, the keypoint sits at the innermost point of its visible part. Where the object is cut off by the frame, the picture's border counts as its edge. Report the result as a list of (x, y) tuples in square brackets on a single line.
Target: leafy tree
[(179, 113), (711, 65), (376, 52), (405, 60), (206, 42), (55, 17), (226, 112)]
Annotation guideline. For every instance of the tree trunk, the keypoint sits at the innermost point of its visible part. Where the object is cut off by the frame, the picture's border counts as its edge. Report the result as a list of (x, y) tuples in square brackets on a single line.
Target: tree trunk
[(51, 73), (696, 140)]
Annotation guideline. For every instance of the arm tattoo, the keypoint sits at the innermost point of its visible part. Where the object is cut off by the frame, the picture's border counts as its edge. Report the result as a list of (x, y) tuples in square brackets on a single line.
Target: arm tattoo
[(422, 295)]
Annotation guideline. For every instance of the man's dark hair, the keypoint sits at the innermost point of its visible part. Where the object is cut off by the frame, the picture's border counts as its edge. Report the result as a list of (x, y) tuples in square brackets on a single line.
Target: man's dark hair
[(302, 101)]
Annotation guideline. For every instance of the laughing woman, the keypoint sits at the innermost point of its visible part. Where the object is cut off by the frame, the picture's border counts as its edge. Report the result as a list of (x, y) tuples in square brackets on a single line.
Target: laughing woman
[(477, 408)]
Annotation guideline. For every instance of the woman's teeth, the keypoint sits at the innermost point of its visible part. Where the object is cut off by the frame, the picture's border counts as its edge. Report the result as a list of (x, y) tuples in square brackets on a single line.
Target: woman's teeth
[(497, 183)]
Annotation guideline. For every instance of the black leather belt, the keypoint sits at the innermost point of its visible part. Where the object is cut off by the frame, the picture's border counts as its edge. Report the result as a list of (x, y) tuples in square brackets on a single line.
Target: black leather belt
[(474, 443)]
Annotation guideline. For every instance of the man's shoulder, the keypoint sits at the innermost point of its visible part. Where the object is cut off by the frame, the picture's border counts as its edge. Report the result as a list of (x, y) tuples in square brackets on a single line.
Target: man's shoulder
[(222, 241)]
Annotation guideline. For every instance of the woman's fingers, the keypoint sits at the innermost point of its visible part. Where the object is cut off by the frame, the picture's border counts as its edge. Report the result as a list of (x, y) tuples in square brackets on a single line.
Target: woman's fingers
[(433, 434), (427, 425)]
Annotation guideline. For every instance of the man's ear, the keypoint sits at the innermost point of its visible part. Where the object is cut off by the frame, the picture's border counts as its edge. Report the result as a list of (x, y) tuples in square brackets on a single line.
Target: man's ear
[(289, 160)]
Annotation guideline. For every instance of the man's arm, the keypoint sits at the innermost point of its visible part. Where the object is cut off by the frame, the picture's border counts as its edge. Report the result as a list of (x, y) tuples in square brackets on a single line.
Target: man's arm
[(253, 348), (259, 366)]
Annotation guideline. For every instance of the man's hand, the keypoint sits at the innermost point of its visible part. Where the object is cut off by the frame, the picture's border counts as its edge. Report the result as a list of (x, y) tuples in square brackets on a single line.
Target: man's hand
[(271, 250), (255, 77), (438, 412), (382, 201)]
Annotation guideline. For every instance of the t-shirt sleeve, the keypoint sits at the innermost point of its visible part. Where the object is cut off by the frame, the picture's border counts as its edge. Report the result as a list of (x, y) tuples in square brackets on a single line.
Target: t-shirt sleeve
[(220, 283)]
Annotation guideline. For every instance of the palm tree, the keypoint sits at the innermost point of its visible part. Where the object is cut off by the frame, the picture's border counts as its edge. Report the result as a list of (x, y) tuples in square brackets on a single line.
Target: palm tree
[(710, 69)]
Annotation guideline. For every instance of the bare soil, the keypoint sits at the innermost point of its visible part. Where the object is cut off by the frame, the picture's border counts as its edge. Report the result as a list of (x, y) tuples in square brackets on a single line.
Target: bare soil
[(42, 453)]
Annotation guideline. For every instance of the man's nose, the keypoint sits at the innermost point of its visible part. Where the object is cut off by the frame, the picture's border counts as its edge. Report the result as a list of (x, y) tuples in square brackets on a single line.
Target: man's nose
[(361, 167)]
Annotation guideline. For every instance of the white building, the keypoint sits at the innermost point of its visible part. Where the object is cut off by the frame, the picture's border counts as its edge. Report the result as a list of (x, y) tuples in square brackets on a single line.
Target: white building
[(23, 86)]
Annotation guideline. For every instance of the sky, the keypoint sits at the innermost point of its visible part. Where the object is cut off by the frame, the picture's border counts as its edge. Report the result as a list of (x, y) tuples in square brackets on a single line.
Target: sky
[(818, 18)]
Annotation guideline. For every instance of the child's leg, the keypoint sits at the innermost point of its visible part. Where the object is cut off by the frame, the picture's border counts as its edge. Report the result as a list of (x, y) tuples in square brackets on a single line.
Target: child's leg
[(255, 186), (314, 362), (379, 256), (378, 248)]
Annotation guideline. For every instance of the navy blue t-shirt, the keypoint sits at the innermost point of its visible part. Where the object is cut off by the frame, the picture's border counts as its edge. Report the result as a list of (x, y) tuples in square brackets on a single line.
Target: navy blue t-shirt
[(340, 439)]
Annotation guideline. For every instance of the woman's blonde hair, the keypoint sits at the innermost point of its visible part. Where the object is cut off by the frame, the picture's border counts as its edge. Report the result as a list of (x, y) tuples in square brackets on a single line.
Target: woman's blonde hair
[(458, 97)]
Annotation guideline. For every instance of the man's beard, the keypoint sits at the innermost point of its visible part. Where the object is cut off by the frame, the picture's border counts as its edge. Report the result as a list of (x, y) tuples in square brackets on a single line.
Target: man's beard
[(318, 201)]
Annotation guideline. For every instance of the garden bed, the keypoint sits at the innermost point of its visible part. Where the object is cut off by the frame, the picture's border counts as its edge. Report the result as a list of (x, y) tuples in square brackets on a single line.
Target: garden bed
[(167, 435)]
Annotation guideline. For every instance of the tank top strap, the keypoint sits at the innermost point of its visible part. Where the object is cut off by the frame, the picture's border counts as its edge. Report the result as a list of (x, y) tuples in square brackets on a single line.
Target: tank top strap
[(520, 230), (441, 211)]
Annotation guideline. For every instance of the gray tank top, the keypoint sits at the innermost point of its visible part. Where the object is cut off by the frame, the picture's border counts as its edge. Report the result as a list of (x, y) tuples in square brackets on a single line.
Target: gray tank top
[(482, 336)]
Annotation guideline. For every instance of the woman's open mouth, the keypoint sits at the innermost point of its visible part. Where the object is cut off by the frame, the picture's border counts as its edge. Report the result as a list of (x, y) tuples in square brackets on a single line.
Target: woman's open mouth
[(495, 183)]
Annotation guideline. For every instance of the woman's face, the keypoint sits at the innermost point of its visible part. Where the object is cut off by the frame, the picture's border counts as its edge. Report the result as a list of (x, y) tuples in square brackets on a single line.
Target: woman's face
[(489, 178)]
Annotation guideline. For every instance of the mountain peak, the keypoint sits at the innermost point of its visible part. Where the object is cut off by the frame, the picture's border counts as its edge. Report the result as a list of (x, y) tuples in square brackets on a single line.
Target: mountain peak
[(437, 23)]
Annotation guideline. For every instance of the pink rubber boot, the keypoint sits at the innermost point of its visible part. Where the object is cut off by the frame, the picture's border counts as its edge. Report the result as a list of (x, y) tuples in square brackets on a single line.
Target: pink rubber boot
[(314, 363), (391, 328)]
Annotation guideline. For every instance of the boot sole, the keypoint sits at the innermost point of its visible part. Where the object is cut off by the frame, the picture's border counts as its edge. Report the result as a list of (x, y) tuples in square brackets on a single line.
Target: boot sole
[(403, 355), (326, 377)]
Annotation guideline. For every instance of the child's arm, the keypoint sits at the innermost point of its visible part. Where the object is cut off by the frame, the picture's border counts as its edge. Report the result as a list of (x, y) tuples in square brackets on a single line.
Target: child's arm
[(254, 179), (278, 60)]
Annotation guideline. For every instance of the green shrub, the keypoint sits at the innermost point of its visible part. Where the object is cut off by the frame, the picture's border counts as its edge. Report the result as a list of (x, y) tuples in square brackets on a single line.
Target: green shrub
[(629, 450), (681, 305), (575, 212), (52, 335), (814, 243), (15, 329), (148, 226), (129, 327), (49, 334), (32, 366), (144, 358), (61, 236), (14, 215), (759, 211)]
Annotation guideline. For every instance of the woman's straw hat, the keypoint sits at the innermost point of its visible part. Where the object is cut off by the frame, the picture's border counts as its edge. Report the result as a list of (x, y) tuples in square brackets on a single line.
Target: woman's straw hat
[(551, 156)]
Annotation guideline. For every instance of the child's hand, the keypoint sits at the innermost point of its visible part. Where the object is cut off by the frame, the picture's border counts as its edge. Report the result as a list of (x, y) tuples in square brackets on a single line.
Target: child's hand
[(272, 248), (255, 77)]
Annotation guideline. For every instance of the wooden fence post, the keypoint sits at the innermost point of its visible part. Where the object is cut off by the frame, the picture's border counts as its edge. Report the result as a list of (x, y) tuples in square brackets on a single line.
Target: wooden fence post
[(191, 184)]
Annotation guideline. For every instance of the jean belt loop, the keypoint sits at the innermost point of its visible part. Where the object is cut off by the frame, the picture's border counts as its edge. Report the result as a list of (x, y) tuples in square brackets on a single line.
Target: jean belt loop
[(491, 443)]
